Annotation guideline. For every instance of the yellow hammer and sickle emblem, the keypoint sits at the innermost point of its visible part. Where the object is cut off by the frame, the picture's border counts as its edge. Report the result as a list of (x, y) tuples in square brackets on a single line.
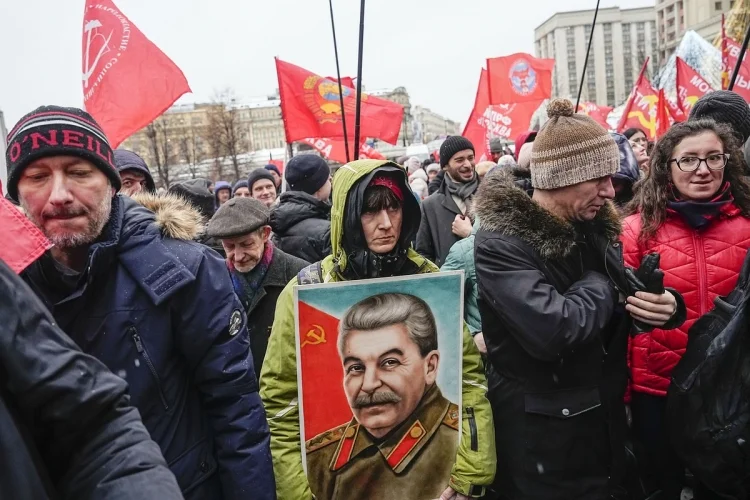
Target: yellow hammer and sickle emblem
[(316, 336)]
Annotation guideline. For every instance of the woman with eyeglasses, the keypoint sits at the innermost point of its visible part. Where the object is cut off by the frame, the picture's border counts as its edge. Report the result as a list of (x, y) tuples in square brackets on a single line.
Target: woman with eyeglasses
[(693, 208)]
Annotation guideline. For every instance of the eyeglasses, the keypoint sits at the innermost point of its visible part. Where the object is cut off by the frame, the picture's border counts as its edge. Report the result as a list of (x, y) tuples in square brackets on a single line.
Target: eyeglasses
[(693, 163)]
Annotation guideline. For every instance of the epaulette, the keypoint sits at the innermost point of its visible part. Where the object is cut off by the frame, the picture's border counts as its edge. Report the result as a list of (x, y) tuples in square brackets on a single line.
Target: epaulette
[(451, 417), (325, 438)]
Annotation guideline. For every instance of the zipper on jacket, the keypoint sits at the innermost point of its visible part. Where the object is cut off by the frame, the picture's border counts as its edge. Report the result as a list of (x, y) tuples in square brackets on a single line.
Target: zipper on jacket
[(700, 259), (142, 351), (473, 429)]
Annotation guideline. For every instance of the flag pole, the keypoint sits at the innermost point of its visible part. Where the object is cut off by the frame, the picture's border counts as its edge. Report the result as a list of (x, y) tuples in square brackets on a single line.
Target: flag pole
[(588, 51), (338, 75), (739, 58), (357, 114)]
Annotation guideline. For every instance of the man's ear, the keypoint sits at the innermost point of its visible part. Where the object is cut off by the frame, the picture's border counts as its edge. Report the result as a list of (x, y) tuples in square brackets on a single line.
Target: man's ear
[(266, 233), (431, 367)]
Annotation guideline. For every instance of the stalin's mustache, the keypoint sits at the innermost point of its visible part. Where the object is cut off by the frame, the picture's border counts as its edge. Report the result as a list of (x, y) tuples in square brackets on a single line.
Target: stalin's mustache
[(377, 398)]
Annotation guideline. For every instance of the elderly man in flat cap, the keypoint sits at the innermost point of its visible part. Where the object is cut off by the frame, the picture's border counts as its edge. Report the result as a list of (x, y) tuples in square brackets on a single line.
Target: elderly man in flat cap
[(259, 270)]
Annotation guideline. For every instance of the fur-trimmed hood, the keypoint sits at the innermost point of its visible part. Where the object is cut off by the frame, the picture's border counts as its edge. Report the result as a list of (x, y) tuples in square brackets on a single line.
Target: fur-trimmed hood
[(504, 208), (175, 217)]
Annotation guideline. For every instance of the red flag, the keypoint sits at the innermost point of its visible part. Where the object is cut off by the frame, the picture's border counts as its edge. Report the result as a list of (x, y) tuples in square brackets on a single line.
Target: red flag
[(335, 150), (519, 78), (598, 113), (346, 81), (323, 409), (311, 107), (502, 120), (28, 242), (690, 86), (663, 118), (279, 164), (742, 83), (127, 80), (640, 110)]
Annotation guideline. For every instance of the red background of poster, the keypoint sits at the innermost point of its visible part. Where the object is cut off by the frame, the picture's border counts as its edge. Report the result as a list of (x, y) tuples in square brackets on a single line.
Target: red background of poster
[(320, 417)]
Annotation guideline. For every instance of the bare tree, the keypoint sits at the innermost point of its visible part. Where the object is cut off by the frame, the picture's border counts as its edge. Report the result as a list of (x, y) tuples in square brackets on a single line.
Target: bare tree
[(159, 149), (225, 134), (190, 150)]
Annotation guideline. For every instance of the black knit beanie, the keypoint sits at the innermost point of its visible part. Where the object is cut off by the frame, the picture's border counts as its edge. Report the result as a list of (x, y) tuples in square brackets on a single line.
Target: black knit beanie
[(724, 106), (57, 131), (307, 173), (451, 146)]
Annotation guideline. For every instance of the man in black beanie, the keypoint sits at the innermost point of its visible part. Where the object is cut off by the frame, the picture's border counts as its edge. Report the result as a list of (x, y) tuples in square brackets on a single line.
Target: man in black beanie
[(262, 186), (302, 221), (445, 217)]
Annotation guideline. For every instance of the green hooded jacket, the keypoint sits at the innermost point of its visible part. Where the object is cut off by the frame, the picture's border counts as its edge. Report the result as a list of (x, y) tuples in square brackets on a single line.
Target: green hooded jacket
[(474, 468)]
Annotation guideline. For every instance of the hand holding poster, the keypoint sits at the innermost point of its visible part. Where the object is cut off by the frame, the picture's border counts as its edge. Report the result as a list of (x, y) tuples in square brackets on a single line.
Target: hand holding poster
[(379, 369)]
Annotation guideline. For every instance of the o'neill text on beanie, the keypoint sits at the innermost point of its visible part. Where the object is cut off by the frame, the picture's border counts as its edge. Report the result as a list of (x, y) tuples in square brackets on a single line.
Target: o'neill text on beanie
[(57, 131)]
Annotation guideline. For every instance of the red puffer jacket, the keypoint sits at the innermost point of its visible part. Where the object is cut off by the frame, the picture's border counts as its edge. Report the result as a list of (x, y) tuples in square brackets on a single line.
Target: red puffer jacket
[(701, 265)]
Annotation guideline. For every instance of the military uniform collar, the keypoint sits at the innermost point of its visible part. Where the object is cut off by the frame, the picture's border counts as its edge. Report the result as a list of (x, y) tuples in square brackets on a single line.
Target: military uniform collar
[(404, 443)]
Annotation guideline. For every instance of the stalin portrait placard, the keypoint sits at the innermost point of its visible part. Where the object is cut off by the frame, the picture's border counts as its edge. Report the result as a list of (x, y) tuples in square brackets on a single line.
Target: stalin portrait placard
[(379, 369)]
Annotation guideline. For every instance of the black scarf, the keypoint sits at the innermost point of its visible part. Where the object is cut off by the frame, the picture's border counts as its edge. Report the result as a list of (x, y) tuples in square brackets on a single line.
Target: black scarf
[(462, 190), (699, 214)]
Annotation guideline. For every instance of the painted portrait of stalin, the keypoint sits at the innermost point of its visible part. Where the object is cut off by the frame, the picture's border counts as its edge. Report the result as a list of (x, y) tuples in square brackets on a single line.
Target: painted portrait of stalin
[(402, 439)]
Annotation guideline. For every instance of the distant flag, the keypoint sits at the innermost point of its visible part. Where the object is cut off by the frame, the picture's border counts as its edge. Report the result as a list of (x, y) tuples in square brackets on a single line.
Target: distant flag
[(690, 86), (334, 149), (502, 120), (311, 107), (663, 118), (519, 78), (598, 113), (127, 81), (742, 84), (640, 109)]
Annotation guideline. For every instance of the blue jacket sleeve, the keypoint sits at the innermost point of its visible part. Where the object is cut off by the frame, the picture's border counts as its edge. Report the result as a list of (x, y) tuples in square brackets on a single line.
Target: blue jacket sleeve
[(213, 337)]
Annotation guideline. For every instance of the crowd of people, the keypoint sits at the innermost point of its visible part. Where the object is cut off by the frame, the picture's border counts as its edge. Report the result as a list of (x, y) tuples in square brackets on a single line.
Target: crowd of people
[(149, 334)]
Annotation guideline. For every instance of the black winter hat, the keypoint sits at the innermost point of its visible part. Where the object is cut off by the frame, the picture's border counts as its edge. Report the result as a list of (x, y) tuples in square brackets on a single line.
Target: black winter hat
[(307, 173), (451, 146), (239, 184), (128, 160), (57, 131), (196, 192), (237, 217), (273, 167), (257, 174), (724, 106)]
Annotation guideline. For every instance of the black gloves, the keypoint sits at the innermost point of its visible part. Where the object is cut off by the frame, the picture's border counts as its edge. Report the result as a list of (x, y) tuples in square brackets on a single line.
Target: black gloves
[(647, 278)]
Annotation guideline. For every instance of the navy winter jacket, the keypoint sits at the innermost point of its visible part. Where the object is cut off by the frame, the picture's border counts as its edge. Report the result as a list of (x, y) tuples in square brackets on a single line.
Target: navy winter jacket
[(160, 311)]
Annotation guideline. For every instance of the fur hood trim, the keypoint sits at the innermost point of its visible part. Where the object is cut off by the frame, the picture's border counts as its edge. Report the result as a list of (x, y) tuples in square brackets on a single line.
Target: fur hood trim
[(506, 209), (175, 217)]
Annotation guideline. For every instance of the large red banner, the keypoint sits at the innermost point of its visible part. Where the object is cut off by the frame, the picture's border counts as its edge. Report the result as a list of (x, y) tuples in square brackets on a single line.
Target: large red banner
[(504, 120), (127, 80), (690, 86), (311, 107), (519, 78)]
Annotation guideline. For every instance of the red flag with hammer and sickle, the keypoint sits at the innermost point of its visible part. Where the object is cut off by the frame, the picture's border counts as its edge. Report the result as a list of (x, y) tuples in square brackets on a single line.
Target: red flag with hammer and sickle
[(127, 80)]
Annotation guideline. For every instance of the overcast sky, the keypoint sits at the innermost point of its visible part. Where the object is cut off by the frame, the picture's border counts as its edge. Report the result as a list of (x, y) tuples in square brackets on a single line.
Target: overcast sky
[(434, 48)]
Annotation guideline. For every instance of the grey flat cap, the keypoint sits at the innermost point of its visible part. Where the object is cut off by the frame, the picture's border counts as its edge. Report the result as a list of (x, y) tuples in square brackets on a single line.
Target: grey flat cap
[(237, 217)]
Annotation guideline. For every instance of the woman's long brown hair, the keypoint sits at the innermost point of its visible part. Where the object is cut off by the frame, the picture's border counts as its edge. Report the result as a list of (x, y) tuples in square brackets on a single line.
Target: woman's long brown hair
[(652, 193)]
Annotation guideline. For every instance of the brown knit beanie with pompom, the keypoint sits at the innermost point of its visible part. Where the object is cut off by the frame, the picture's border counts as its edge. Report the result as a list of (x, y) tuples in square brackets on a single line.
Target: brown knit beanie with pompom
[(571, 148)]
